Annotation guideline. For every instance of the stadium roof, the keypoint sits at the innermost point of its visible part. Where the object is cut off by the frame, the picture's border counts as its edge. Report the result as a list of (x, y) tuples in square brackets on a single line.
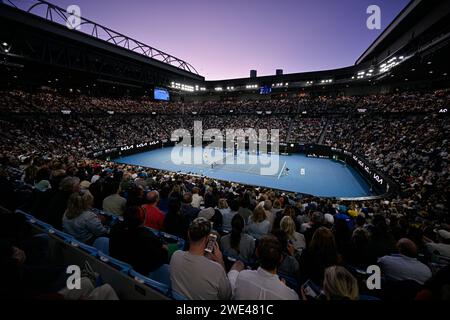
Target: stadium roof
[(415, 19), (55, 14)]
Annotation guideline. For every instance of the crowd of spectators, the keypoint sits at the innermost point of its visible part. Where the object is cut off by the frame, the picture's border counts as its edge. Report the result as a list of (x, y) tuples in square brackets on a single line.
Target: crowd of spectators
[(270, 244)]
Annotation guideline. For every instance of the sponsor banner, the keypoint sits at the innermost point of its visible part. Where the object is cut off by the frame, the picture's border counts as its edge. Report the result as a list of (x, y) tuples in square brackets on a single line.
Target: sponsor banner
[(127, 149), (376, 178)]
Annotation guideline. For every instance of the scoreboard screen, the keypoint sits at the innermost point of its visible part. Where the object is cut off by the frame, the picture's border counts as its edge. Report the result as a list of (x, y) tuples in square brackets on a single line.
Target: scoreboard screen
[(161, 94)]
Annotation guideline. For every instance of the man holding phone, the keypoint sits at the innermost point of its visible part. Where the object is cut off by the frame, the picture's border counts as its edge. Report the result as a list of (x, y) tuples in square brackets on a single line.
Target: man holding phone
[(199, 273)]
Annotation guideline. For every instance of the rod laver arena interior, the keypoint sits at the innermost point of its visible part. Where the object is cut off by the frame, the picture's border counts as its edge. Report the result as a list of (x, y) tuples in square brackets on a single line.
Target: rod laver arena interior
[(127, 173)]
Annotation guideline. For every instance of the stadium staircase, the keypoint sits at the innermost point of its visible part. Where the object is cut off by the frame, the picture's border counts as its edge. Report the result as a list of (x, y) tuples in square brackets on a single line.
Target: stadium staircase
[(323, 133), (288, 135)]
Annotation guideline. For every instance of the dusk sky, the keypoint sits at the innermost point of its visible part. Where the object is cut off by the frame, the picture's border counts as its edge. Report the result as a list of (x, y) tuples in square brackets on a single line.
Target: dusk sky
[(225, 39)]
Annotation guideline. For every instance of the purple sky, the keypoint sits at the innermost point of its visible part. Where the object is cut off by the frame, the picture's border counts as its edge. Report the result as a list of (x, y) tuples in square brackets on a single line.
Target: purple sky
[(225, 39)]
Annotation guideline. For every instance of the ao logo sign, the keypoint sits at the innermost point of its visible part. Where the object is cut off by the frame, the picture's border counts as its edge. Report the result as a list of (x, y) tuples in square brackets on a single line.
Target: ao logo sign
[(443, 111)]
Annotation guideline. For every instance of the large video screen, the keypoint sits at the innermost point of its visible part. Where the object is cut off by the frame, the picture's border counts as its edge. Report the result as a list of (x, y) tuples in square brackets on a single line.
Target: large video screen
[(265, 90), (161, 94)]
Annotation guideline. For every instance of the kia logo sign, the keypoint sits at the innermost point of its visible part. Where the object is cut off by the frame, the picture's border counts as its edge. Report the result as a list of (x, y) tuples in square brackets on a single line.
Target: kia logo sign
[(126, 148)]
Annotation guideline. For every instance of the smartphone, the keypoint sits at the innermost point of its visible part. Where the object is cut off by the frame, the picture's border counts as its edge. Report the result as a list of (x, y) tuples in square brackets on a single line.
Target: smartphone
[(212, 238), (311, 290)]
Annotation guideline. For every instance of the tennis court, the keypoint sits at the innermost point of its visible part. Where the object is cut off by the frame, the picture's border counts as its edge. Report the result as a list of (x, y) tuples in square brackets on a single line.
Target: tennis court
[(319, 177)]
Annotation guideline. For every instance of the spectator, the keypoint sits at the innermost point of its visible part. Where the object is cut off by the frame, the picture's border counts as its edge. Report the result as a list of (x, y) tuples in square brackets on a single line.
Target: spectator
[(339, 284), (213, 216), (187, 209), (244, 207), (114, 203), (197, 199), (175, 222), (315, 223), (132, 243), (154, 218), (442, 246), (80, 222), (193, 274), (296, 239), (238, 244), (404, 265), (263, 283), (320, 254), (227, 215), (58, 203), (258, 225)]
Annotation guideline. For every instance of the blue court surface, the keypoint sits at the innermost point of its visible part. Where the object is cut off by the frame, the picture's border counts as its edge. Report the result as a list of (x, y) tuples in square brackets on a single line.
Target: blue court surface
[(319, 177)]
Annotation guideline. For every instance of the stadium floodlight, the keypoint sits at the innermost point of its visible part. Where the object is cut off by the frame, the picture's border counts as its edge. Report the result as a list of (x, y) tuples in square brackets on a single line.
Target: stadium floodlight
[(218, 89), (371, 70), (401, 57), (429, 62), (5, 44)]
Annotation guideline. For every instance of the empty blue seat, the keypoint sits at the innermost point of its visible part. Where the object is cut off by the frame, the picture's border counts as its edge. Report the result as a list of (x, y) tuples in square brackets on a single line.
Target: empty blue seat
[(162, 275), (116, 264), (161, 287), (102, 244)]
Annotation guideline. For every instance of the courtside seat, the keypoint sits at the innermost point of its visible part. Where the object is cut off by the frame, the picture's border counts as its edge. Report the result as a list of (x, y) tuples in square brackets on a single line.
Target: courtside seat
[(102, 244), (164, 289), (117, 264)]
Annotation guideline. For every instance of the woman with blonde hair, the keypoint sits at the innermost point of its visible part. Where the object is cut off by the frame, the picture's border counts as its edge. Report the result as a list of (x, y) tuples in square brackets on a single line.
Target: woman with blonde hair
[(297, 240), (339, 284), (79, 221), (258, 225), (227, 214)]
